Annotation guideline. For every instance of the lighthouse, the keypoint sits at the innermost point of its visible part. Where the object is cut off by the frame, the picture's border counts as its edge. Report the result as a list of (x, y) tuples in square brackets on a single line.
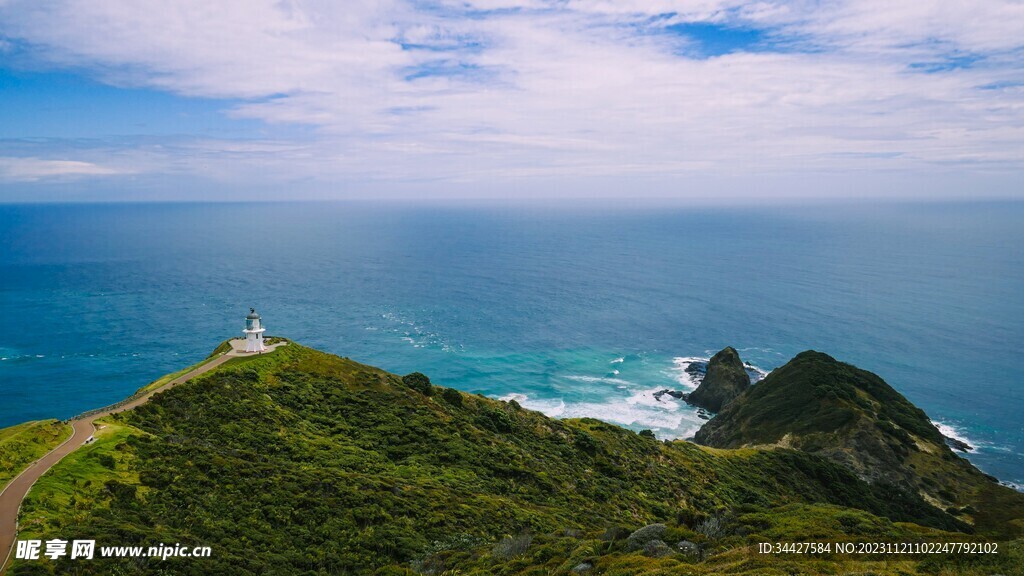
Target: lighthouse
[(254, 332)]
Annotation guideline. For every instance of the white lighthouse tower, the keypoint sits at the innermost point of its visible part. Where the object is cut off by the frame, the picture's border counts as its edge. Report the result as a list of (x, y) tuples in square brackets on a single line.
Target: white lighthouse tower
[(254, 332)]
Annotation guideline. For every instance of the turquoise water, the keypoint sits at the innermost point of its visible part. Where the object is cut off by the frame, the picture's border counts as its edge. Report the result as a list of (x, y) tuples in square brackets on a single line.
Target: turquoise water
[(571, 310)]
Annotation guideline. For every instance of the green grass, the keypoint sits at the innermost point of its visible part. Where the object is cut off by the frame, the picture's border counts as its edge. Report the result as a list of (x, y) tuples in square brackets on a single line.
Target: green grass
[(78, 483), (219, 351), (25, 443)]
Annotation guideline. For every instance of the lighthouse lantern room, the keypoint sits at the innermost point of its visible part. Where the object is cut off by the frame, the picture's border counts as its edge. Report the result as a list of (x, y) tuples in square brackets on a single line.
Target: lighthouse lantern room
[(254, 332)]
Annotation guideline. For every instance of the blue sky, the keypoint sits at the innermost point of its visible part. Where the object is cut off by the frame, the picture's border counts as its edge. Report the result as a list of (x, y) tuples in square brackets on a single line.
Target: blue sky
[(60, 104), (701, 101)]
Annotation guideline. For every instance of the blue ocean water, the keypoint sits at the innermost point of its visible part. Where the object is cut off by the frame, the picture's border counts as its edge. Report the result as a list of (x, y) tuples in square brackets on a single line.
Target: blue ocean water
[(573, 310)]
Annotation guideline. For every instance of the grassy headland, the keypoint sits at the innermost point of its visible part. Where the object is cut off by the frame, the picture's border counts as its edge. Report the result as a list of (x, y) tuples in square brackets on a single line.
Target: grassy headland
[(300, 462), (850, 416)]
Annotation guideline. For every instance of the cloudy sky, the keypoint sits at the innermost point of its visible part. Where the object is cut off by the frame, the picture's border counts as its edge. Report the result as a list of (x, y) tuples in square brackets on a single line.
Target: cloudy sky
[(706, 100)]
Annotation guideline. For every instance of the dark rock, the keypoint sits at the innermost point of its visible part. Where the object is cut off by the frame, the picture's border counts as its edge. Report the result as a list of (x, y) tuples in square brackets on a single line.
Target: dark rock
[(703, 415), (958, 444), (726, 379), (697, 368), (677, 394)]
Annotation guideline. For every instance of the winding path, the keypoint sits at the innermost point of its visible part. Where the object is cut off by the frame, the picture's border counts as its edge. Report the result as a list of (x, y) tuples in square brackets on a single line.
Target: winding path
[(82, 429)]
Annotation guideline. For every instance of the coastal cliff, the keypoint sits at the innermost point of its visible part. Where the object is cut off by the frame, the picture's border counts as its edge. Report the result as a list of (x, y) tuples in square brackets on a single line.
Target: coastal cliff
[(852, 417), (301, 462)]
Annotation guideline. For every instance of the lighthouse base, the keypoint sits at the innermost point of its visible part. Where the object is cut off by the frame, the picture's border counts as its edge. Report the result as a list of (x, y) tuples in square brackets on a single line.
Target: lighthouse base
[(254, 342), (257, 346)]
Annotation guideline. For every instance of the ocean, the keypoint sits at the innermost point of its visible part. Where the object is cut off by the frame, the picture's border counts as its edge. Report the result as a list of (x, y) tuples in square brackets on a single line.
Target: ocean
[(574, 310)]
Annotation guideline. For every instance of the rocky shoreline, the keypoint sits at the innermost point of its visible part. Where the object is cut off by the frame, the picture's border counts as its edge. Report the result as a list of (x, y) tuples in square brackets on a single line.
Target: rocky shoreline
[(958, 444)]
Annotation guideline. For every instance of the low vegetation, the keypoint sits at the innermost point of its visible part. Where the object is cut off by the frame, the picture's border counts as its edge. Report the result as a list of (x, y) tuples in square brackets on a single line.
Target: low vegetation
[(299, 462), (854, 418), (221, 349), (25, 443)]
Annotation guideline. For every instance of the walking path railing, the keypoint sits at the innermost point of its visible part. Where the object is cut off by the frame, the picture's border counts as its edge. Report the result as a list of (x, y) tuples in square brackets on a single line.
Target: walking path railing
[(107, 408)]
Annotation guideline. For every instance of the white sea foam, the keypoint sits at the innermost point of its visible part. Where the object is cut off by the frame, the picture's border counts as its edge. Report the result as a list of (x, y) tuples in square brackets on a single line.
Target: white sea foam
[(679, 366), (552, 408), (1014, 485), (635, 408), (761, 373), (599, 379), (647, 398), (416, 334), (629, 403), (954, 433), (627, 412)]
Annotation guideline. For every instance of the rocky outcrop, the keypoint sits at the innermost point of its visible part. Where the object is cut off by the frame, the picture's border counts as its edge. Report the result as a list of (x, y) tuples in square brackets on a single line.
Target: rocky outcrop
[(725, 379), (697, 369), (677, 394), (957, 444), (850, 416)]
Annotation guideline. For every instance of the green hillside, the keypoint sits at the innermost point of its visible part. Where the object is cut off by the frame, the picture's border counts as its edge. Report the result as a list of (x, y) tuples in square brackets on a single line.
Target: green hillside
[(25, 443), (822, 406), (300, 462)]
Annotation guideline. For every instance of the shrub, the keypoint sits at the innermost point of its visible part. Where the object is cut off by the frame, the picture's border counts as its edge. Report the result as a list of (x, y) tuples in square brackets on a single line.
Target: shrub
[(107, 461), (656, 549), (495, 420), (452, 396), (615, 533), (647, 434), (637, 539), (713, 527), (689, 517), (689, 548), (121, 492), (512, 546), (585, 443), (418, 382), (392, 571)]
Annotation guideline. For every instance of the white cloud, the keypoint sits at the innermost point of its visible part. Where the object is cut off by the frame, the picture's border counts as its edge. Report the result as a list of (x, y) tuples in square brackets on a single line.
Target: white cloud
[(14, 169), (403, 92)]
